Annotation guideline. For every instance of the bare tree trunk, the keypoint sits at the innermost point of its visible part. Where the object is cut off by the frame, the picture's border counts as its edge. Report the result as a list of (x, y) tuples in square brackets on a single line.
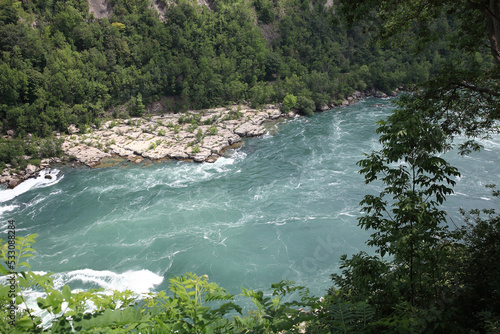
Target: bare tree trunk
[(492, 14)]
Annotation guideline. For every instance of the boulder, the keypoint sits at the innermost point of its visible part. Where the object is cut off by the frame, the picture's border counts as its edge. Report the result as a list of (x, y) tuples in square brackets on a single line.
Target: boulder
[(177, 152), (357, 95), (215, 143), (249, 130), (48, 177), (123, 152), (234, 140), (11, 133), (73, 129), (156, 154), (13, 183), (211, 159), (258, 120), (138, 147), (30, 169), (199, 157), (274, 113), (85, 154)]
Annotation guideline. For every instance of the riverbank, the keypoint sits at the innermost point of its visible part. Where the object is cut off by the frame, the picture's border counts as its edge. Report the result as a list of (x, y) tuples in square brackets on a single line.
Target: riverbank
[(195, 135), (199, 136)]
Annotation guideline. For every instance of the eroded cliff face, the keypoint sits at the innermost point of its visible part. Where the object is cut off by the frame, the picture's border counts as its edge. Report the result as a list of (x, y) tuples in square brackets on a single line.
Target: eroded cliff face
[(160, 8), (103, 8), (100, 8)]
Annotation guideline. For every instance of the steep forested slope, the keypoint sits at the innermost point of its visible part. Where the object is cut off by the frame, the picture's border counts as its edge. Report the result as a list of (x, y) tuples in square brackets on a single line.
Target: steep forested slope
[(63, 62)]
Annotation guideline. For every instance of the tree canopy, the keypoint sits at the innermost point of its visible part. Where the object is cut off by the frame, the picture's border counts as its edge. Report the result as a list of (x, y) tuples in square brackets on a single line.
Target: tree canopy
[(465, 93), (427, 284), (60, 65)]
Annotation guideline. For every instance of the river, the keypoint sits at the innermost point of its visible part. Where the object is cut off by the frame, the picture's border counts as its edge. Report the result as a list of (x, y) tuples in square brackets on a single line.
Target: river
[(283, 206)]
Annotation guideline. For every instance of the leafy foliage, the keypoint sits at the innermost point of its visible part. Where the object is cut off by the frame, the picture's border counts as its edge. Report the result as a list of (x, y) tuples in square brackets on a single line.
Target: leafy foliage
[(194, 305), (437, 280), (288, 103), (305, 105), (477, 269), (60, 66), (464, 93)]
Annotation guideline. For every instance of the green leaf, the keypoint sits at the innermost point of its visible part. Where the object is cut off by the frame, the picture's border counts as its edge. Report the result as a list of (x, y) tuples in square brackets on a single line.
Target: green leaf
[(24, 323), (66, 292), (4, 271), (24, 264)]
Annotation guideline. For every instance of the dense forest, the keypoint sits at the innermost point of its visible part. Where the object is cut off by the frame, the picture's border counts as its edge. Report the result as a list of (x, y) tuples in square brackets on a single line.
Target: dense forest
[(61, 65)]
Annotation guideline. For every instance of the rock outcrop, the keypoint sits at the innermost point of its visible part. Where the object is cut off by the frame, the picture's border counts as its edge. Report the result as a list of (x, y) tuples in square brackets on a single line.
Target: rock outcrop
[(195, 135), (100, 8)]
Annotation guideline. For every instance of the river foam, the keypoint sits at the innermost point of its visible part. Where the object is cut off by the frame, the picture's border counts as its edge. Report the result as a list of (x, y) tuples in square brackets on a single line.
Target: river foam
[(47, 177), (138, 281)]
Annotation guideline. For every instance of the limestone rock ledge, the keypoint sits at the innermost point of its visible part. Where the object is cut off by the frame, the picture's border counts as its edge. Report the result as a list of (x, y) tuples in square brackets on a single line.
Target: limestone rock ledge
[(196, 135)]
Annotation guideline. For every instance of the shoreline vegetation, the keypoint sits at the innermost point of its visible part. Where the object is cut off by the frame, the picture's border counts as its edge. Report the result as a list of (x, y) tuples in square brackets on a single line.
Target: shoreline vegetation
[(63, 66), (196, 135)]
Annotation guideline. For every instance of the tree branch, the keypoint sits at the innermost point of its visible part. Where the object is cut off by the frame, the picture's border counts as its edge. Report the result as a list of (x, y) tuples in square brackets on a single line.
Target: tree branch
[(476, 89), (481, 6)]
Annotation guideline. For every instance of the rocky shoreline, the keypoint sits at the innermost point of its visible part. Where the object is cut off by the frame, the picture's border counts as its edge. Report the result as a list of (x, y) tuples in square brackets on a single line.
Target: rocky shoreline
[(195, 135), (200, 136), (12, 179)]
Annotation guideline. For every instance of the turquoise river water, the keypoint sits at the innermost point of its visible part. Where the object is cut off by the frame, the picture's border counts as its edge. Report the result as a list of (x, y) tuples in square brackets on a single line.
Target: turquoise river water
[(282, 206)]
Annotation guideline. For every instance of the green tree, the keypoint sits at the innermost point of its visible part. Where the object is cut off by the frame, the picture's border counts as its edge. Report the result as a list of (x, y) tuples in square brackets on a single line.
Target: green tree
[(476, 269), (410, 225), (235, 90), (265, 10), (136, 107), (465, 93), (13, 85), (259, 94), (305, 105), (9, 12), (288, 103), (409, 282)]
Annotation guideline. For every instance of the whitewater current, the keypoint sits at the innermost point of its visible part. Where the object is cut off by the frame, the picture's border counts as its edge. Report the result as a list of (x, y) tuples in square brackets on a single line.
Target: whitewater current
[(283, 206)]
